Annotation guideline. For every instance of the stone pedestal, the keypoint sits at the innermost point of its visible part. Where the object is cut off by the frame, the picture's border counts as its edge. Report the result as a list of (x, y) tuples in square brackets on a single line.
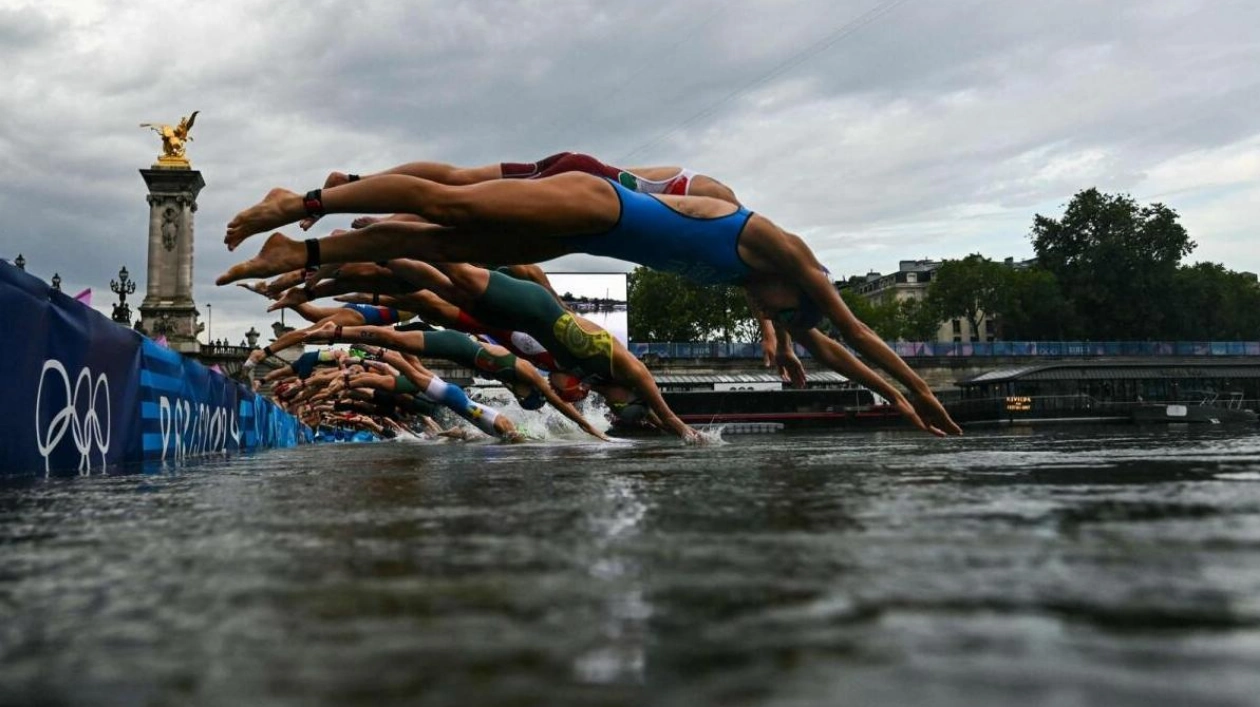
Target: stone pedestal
[(168, 309)]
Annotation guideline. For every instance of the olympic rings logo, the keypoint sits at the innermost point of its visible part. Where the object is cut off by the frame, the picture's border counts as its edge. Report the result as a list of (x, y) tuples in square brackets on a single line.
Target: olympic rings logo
[(87, 431)]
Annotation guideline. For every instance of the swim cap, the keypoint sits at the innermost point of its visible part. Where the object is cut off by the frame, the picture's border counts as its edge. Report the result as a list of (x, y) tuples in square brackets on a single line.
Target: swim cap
[(569, 387), (632, 413), (533, 401), (805, 315)]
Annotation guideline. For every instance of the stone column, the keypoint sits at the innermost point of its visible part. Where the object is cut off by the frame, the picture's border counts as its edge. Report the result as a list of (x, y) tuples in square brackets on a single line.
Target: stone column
[(168, 308), (153, 278)]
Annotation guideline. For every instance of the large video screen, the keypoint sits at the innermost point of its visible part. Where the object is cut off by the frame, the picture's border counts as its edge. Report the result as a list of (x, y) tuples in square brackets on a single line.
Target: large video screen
[(599, 297)]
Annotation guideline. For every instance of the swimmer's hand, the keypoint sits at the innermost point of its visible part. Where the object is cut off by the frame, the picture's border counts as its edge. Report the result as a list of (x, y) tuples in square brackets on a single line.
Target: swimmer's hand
[(791, 370), (768, 352), (933, 416), (687, 433)]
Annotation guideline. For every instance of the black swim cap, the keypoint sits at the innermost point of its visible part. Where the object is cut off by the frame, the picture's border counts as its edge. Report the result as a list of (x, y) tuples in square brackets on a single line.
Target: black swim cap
[(533, 401), (632, 413)]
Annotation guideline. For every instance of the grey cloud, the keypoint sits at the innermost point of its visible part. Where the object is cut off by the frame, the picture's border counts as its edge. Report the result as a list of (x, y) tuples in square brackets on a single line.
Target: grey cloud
[(885, 144)]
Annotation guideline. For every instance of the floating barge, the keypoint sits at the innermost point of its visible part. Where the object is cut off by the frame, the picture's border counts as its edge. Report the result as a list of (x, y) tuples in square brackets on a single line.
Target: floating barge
[(761, 402), (1143, 391)]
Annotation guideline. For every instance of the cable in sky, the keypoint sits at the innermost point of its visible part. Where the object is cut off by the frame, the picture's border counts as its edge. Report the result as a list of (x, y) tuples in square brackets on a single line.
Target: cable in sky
[(833, 37)]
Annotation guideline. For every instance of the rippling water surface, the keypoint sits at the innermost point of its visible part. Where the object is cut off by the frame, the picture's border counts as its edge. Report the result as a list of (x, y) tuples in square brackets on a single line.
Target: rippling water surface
[(1103, 565)]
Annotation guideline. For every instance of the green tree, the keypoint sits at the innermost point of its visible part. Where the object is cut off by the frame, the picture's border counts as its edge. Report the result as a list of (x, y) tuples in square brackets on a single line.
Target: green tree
[(1114, 260), (666, 307), (1211, 302), (920, 320), (970, 289), (882, 315), (1032, 307), (659, 307)]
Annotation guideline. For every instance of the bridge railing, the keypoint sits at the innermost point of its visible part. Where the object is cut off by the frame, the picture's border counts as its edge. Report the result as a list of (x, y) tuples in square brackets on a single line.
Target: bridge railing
[(947, 349)]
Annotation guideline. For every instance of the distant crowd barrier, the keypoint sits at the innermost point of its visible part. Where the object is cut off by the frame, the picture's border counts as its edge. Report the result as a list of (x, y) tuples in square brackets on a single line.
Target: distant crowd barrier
[(938, 349), (81, 392)]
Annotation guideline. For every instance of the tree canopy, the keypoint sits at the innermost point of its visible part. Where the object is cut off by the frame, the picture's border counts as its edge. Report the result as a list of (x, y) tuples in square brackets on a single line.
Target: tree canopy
[(1108, 268), (667, 307), (1115, 261)]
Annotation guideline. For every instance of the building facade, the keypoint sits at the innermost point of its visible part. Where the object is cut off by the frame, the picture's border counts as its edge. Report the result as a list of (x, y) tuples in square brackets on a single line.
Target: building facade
[(911, 282)]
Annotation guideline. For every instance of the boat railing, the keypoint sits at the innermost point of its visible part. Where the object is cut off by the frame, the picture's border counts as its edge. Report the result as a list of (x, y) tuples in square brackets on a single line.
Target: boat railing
[(979, 349)]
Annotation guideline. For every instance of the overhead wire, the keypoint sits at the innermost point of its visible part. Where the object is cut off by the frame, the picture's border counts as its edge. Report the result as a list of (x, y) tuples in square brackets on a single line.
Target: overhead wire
[(826, 42), (644, 67)]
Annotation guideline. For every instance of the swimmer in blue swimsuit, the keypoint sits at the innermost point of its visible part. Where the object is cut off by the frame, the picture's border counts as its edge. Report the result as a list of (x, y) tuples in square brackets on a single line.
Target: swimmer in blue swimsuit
[(532, 220)]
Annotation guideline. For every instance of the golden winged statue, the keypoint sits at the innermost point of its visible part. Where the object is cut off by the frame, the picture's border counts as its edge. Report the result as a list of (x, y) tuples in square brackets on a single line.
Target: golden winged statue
[(173, 140)]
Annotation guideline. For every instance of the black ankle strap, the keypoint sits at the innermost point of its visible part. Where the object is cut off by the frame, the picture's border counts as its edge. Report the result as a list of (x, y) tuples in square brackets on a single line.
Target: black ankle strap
[(376, 299), (312, 254), (337, 332), (353, 177), (314, 203)]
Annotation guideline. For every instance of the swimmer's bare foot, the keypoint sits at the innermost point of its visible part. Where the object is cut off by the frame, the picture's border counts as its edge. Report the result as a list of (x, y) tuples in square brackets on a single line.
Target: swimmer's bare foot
[(278, 255), (276, 287), (258, 287), (292, 298), (278, 208), (323, 332), (365, 221)]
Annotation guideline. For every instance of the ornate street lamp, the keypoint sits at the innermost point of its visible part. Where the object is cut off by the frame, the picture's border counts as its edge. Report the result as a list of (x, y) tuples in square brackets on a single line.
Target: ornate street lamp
[(122, 287), (210, 324), (20, 262), (56, 281)]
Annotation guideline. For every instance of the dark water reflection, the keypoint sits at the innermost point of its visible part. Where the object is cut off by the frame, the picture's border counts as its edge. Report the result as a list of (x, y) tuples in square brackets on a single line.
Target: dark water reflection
[(1105, 565)]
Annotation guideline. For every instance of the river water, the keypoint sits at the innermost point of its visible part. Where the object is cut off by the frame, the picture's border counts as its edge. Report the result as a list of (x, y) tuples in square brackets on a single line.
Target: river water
[(1106, 565)]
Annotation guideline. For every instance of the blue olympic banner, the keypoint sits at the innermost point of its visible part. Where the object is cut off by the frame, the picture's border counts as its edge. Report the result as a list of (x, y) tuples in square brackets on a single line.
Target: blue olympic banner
[(83, 393)]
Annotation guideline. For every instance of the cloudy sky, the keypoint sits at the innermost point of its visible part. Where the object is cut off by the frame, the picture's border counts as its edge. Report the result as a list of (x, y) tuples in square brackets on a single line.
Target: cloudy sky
[(879, 130)]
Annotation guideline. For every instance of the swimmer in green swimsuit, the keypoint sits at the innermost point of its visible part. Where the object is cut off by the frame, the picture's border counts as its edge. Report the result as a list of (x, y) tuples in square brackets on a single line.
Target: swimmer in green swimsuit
[(499, 300)]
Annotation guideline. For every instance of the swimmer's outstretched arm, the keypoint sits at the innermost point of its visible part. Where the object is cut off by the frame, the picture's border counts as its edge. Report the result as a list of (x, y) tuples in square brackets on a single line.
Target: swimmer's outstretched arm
[(839, 359), (862, 338), (769, 332), (790, 367), (632, 373)]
